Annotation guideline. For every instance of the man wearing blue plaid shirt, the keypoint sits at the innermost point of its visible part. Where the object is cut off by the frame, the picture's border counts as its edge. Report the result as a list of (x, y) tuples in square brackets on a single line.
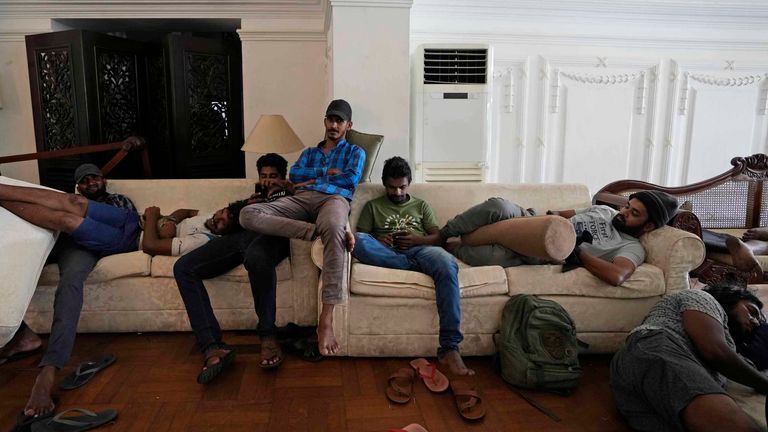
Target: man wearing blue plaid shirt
[(324, 177)]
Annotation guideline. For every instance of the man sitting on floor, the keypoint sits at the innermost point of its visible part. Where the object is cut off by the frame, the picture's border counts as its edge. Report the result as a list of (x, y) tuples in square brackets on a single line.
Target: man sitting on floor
[(400, 231), (669, 375), (613, 254), (260, 254), (93, 224)]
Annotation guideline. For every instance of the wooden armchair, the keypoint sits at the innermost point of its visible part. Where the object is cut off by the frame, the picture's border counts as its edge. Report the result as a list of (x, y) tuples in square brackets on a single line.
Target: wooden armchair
[(731, 202)]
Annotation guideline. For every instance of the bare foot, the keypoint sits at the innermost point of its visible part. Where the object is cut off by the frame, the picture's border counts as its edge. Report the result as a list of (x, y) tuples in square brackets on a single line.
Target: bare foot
[(742, 256), (271, 353), (326, 340), (455, 364), (40, 401), (23, 341), (756, 234), (349, 241)]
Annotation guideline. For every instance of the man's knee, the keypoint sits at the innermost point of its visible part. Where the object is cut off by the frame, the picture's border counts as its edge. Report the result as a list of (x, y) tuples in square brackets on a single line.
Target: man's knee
[(503, 209), (250, 214)]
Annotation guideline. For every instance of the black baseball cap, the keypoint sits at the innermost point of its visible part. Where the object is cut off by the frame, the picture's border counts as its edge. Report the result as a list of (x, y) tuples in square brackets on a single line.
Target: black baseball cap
[(86, 169), (339, 108)]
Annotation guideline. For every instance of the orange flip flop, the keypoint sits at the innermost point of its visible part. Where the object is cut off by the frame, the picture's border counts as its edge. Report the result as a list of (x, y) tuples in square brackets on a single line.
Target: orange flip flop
[(468, 400), (413, 427), (400, 386), (433, 378)]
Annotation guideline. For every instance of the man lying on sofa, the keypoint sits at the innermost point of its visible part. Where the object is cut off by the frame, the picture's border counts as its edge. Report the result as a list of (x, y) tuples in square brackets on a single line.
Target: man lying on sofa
[(613, 254), (400, 231), (260, 254), (92, 225)]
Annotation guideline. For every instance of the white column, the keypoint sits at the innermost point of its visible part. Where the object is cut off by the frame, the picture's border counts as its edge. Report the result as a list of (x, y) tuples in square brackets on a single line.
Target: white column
[(369, 42)]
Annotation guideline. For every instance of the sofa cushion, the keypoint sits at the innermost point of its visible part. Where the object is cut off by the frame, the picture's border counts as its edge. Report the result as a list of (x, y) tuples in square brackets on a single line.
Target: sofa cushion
[(383, 282), (162, 266), (646, 281), (107, 268)]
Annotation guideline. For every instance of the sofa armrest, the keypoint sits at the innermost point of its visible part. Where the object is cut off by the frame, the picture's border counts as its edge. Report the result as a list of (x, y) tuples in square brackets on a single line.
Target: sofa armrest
[(676, 253), (686, 221)]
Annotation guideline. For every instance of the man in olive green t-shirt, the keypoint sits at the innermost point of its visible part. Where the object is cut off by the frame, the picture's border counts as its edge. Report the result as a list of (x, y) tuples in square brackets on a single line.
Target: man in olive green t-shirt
[(399, 231)]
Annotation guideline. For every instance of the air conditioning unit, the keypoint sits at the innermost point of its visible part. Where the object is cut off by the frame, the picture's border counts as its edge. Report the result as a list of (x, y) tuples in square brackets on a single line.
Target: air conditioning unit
[(451, 106)]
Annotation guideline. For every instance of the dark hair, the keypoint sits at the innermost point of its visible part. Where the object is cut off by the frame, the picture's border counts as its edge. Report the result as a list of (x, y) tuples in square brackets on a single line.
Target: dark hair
[(728, 294), (234, 213), (273, 160), (395, 168)]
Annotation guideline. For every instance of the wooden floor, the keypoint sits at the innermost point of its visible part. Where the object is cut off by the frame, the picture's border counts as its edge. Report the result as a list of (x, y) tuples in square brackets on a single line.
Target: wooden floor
[(153, 387)]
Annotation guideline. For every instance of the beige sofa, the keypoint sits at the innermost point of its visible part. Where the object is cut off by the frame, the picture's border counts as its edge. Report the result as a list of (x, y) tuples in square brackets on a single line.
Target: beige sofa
[(392, 312), (135, 292)]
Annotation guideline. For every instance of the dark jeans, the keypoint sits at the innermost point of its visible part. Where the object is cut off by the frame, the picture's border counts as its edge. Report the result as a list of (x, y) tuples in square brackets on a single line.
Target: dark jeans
[(258, 253), (75, 264)]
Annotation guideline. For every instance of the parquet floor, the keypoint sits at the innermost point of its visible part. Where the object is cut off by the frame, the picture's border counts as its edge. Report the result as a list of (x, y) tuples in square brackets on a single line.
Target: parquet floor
[(153, 387)]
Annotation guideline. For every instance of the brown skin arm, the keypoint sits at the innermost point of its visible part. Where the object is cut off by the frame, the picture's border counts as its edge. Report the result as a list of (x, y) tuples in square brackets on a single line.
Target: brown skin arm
[(615, 273), (564, 213), (708, 338), (152, 243)]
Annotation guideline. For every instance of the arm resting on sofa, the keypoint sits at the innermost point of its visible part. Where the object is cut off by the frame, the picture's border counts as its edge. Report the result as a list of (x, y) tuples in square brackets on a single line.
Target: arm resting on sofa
[(675, 252)]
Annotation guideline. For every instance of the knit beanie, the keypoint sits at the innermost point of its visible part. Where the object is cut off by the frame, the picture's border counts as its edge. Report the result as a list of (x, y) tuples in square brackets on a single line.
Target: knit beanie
[(660, 206)]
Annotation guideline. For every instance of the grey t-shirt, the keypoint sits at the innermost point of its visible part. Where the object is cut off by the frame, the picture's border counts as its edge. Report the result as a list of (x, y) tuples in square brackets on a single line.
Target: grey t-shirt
[(667, 315), (607, 242)]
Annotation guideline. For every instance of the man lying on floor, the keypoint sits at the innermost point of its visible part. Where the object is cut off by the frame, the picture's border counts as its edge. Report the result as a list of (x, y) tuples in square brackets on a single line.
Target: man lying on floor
[(669, 374)]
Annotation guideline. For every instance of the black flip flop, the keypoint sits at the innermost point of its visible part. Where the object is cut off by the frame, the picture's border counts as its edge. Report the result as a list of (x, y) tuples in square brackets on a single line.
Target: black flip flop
[(210, 372), (18, 356), (88, 420), (85, 371), (24, 422)]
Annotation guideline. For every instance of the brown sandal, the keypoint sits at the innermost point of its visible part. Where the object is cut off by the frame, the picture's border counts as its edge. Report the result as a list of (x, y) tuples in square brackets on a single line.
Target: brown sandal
[(400, 385), (468, 400), (270, 349)]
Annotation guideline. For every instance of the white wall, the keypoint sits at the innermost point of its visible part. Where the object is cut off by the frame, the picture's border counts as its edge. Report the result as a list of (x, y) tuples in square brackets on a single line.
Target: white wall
[(596, 86)]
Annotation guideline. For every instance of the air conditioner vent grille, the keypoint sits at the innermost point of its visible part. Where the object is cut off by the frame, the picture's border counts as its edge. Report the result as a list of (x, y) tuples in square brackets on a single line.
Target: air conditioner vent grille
[(455, 66)]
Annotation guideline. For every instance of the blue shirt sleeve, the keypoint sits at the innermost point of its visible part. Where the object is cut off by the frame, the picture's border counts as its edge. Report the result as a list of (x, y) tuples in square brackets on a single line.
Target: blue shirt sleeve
[(302, 170), (350, 173)]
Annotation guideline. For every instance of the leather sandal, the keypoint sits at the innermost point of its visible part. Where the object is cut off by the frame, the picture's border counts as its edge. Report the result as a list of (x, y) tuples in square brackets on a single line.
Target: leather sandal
[(468, 400), (400, 385)]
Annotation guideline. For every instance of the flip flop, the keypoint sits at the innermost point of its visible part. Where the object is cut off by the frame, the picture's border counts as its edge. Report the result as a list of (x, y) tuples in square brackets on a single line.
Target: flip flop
[(468, 400), (19, 355), (85, 371), (413, 427), (433, 378), (271, 349), (24, 422), (89, 420), (210, 372), (400, 385)]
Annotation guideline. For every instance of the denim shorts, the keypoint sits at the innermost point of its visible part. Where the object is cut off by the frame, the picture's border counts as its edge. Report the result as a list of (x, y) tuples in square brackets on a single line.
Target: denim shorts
[(108, 230)]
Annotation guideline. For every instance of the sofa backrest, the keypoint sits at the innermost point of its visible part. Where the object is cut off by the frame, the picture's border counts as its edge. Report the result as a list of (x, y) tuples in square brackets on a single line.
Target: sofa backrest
[(449, 199), (206, 195)]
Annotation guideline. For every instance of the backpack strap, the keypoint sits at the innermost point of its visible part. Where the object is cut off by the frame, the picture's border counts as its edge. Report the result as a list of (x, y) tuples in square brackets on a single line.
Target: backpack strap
[(534, 403)]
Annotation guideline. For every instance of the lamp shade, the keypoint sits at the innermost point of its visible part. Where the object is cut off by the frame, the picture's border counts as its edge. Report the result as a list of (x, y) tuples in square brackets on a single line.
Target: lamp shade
[(272, 134)]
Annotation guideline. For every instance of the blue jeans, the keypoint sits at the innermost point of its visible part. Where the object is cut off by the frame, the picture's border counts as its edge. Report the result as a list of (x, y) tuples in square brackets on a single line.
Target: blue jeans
[(431, 260)]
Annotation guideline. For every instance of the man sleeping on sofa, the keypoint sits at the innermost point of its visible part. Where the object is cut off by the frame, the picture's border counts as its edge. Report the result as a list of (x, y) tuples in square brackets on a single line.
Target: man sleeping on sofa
[(608, 245)]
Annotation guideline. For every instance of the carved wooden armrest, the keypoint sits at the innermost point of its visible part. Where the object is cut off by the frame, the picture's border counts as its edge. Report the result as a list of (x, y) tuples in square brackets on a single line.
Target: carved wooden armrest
[(609, 199), (686, 221)]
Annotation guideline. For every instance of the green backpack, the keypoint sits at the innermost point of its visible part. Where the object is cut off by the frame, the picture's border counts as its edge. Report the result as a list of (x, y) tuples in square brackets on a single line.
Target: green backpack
[(537, 346)]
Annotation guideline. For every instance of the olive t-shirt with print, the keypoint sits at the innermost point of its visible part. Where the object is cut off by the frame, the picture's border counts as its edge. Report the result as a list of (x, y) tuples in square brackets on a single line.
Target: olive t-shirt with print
[(381, 216), (607, 242)]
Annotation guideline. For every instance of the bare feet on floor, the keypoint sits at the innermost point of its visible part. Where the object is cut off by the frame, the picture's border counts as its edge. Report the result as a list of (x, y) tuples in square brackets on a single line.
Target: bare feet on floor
[(349, 241), (326, 340), (742, 256), (452, 359), (40, 401), (756, 234), (24, 340)]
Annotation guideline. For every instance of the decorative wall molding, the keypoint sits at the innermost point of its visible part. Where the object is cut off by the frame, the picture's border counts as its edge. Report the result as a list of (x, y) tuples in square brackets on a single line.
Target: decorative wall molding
[(724, 81), (512, 75), (586, 78)]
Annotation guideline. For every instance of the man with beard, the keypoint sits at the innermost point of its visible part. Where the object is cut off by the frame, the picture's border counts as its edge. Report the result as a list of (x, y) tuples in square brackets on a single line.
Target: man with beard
[(325, 178), (92, 225), (613, 254), (670, 373), (400, 231)]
